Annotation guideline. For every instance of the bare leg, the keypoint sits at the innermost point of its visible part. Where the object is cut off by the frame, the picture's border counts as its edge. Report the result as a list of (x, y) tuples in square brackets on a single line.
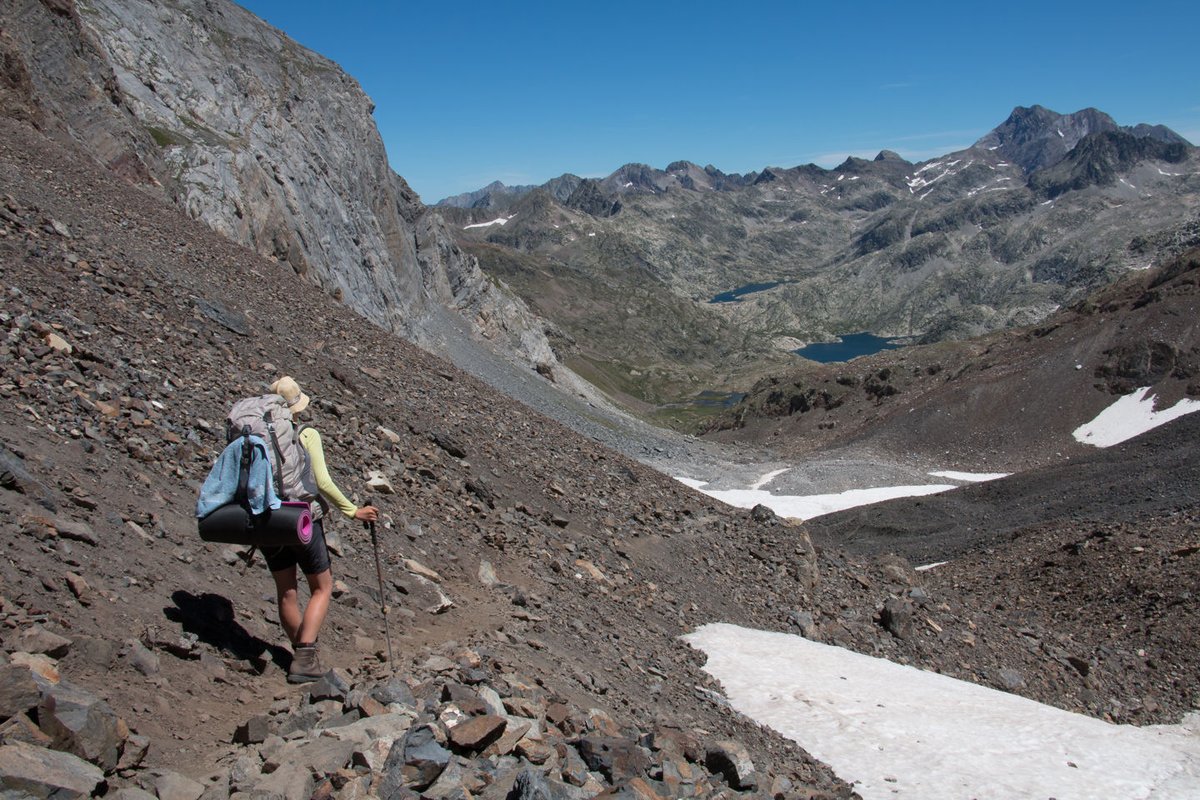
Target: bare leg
[(321, 592), (289, 601)]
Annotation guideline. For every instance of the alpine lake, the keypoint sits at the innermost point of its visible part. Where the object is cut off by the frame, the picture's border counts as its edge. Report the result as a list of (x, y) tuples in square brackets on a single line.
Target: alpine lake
[(849, 347)]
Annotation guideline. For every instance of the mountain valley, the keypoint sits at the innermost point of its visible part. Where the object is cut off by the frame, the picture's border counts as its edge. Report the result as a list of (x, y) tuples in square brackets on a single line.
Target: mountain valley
[(1038, 213), (514, 632)]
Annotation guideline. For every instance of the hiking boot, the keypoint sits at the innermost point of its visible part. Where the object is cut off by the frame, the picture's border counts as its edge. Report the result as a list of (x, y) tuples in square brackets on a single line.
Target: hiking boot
[(306, 664)]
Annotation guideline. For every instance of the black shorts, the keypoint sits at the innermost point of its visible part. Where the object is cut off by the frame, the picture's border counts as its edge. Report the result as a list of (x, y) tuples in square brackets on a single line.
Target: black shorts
[(312, 558)]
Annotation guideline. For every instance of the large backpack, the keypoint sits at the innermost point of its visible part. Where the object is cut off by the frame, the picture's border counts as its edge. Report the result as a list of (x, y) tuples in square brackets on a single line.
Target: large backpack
[(268, 416)]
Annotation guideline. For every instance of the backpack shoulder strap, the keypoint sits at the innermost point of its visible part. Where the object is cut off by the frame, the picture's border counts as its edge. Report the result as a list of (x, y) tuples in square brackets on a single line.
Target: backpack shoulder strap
[(267, 419)]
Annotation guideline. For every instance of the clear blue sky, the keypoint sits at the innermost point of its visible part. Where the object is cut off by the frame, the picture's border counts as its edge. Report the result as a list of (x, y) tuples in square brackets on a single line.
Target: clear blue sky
[(470, 92)]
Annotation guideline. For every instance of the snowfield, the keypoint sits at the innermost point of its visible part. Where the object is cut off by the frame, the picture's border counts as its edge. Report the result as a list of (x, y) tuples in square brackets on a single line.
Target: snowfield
[(1130, 416), (815, 505), (970, 477), (497, 221), (894, 732), (804, 507)]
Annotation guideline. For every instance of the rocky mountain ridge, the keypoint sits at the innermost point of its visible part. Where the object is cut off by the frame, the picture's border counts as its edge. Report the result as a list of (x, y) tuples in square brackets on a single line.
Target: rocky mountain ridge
[(1033, 137), (264, 141), (1032, 217)]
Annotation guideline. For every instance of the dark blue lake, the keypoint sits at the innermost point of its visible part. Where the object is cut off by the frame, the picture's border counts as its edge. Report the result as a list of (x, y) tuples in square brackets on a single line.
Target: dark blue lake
[(734, 295), (851, 346)]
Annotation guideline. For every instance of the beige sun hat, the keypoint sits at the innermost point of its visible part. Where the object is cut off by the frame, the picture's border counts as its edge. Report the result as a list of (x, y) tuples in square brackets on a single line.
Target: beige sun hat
[(287, 388)]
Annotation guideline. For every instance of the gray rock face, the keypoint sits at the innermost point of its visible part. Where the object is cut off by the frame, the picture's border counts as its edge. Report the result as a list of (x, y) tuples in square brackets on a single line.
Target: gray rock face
[(58, 79), (267, 143)]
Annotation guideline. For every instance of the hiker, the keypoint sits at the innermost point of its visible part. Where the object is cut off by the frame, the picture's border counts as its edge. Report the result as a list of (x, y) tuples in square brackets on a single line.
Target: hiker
[(313, 558)]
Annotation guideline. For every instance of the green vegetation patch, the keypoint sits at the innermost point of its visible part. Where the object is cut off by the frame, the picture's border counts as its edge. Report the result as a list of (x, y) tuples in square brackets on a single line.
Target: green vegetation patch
[(167, 138)]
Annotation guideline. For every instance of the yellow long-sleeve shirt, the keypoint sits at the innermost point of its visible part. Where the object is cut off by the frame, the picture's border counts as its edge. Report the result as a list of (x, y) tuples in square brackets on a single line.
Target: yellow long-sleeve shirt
[(310, 439)]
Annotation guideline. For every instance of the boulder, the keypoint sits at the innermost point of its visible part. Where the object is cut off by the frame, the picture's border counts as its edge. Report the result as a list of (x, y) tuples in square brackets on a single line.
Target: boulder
[(170, 785), (244, 773), (534, 751), (514, 732), (1011, 679), (37, 640), (253, 731), (133, 752), (321, 756), (732, 761), (394, 691), (100, 653), (763, 514), (384, 727), (476, 733), (43, 668), (20, 728), (414, 762), (130, 793), (574, 771), (333, 685), (636, 789), (680, 776), (617, 759), (805, 622), (82, 724), (530, 785), (285, 784), (76, 531), (31, 771), (896, 617), (450, 785), (19, 692)]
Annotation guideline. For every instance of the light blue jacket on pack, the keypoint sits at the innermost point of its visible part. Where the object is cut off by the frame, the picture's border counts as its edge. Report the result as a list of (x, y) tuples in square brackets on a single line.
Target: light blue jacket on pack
[(221, 484)]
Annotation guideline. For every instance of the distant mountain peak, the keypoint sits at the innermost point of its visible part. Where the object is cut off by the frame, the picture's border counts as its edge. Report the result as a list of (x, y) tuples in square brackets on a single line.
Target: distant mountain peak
[(1037, 138), (851, 164), (483, 198)]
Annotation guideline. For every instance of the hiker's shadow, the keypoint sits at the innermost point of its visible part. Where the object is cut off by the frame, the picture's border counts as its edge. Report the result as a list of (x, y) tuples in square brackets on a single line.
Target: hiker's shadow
[(210, 617)]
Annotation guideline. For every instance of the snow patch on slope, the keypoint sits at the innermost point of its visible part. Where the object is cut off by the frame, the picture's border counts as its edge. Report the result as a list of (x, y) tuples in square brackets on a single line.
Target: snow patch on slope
[(969, 477), (498, 221), (804, 507), (919, 180), (1130, 416), (894, 731)]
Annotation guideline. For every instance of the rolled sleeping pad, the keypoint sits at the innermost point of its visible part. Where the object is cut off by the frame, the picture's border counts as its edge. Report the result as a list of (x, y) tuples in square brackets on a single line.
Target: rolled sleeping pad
[(290, 524)]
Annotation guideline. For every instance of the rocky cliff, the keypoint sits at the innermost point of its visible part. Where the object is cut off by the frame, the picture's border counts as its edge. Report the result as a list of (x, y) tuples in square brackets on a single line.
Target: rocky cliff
[(264, 141)]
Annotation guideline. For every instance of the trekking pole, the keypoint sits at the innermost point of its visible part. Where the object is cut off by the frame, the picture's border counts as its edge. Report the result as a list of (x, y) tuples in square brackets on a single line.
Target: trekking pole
[(382, 599)]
